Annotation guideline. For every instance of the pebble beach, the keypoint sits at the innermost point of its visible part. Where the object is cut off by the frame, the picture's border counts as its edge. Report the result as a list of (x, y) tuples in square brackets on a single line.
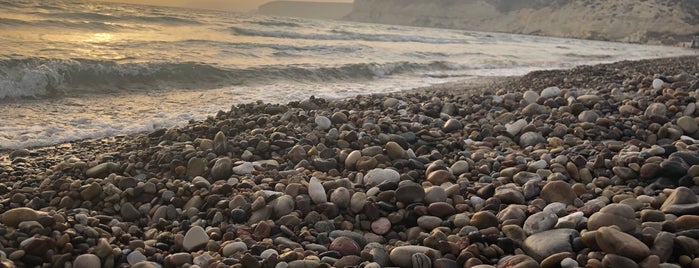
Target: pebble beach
[(595, 166)]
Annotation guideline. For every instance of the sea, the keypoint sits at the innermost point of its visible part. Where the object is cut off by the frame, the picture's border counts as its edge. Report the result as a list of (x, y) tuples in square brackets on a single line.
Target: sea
[(72, 70)]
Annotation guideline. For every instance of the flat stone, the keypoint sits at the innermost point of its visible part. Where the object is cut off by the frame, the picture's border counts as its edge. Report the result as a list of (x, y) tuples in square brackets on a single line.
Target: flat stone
[(546, 243), (688, 124), (379, 175), (222, 168), (558, 191), (195, 238), (101, 170), (429, 222), (484, 219), (345, 246), (14, 216), (614, 261), (438, 177), (402, 255), (682, 201), (620, 215), (440, 209), (539, 222), (611, 240), (381, 226), (410, 193), (394, 150), (550, 92)]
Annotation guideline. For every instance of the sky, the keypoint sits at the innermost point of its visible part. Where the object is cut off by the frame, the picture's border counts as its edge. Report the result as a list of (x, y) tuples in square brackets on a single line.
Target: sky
[(228, 5)]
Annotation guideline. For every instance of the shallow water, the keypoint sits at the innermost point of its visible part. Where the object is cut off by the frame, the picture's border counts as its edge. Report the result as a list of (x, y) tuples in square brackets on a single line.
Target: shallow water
[(72, 70)]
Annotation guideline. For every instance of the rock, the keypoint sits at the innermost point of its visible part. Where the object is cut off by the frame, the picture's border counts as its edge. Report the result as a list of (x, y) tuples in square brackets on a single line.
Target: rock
[(459, 167), (231, 248), (180, 259), (91, 192), (588, 116), (348, 261), (539, 222), (296, 154), (87, 261), (323, 122), (135, 257), (410, 193), (614, 261), (101, 170), (129, 212), (534, 109), (222, 169), (530, 96), (402, 255), (529, 139), (19, 153), (379, 175), (550, 92), (620, 215), (514, 128), (381, 226), (484, 219), (688, 124), (558, 191), (589, 100), (687, 222), (340, 197), (509, 194), (682, 201), (196, 167), (394, 151), (656, 109), (345, 246), (420, 260), (429, 222), (438, 177), (245, 168), (440, 209), (195, 238), (282, 206), (435, 194), (658, 84), (303, 264), (452, 125), (220, 143), (317, 191), (546, 243), (352, 158), (611, 240)]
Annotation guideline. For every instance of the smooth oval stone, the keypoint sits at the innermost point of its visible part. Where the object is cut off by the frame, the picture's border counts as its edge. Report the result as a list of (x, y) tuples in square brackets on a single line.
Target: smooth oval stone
[(345, 246), (380, 175), (341, 197), (410, 193), (323, 122), (484, 219), (429, 222), (317, 191), (558, 191), (394, 150), (402, 255), (614, 261), (613, 241), (14, 216), (87, 261), (620, 215), (539, 222), (550, 92), (435, 194), (381, 226), (546, 243), (440, 209)]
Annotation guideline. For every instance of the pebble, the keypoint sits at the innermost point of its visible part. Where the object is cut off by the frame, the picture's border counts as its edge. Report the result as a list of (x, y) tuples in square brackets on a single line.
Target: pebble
[(550, 92), (317, 191), (381, 175), (402, 255), (14, 216), (87, 261), (543, 244), (611, 240), (195, 238), (558, 191)]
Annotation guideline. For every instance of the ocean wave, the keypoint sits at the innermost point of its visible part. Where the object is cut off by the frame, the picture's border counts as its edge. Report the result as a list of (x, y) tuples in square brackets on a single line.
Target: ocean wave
[(22, 78), (64, 24), (342, 35)]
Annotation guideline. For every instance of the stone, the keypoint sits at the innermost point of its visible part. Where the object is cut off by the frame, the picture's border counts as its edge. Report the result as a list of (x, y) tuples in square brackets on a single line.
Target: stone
[(394, 150), (452, 125), (558, 191), (317, 191), (15, 216), (103, 248), (348, 261), (231, 248), (530, 96), (534, 109), (612, 240), (296, 154), (402, 255), (484, 219), (658, 84), (379, 175), (588, 116), (589, 100), (381, 226), (687, 222), (323, 122), (509, 195), (682, 201), (438, 177), (180, 259), (135, 257), (245, 168), (517, 126), (352, 158), (91, 192), (620, 215), (550, 92), (459, 167), (340, 197), (614, 261), (129, 212), (195, 238), (222, 169), (101, 170), (440, 209), (345, 246), (539, 222), (688, 124), (656, 109), (87, 261), (420, 260), (220, 143), (529, 139), (546, 243), (429, 222), (282, 206), (435, 194), (196, 167), (410, 193)]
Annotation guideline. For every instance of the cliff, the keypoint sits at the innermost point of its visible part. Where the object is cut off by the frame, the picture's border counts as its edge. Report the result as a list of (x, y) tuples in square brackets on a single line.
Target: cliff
[(313, 10), (646, 21)]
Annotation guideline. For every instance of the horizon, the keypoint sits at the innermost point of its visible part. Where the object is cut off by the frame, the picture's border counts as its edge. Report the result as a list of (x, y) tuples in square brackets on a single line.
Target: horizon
[(221, 5)]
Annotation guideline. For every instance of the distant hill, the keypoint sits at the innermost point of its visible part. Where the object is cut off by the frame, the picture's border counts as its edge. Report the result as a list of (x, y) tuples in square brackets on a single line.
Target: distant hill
[(636, 21), (313, 10)]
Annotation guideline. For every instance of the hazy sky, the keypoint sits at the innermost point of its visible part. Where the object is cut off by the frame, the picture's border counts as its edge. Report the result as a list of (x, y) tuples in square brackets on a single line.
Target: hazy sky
[(235, 5)]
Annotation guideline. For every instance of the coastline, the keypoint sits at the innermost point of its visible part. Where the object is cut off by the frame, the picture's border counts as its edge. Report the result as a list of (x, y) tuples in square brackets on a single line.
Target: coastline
[(485, 171)]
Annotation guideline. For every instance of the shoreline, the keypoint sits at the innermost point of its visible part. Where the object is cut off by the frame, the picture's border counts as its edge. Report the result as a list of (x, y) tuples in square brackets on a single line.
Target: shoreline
[(493, 171)]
